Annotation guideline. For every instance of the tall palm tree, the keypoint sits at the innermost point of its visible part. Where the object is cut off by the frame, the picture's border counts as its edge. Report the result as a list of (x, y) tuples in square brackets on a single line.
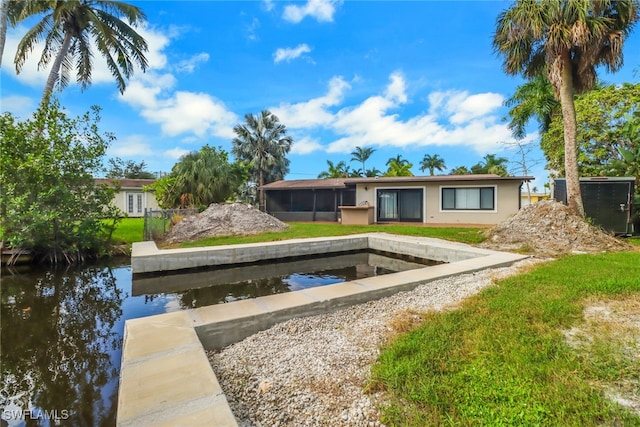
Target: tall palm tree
[(13, 11), (68, 27), (460, 170), (491, 164), (565, 40), (362, 154), (397, 166), (432, 163), (535, 98), (397, 160), (338, 170), (263, 143)]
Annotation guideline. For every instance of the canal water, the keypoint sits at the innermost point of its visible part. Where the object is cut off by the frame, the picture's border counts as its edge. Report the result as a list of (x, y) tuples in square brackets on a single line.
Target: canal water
[(61, 329)]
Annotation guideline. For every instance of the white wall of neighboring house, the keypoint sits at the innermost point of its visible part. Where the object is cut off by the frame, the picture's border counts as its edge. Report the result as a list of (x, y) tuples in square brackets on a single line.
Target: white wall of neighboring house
[(133, 199)]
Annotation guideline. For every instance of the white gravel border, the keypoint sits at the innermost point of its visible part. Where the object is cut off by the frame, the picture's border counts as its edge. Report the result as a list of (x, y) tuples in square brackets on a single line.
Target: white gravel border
[(311, 371)]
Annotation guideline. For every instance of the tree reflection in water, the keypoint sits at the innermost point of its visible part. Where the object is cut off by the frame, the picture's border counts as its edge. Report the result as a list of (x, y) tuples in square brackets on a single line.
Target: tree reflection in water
[(56, 352)]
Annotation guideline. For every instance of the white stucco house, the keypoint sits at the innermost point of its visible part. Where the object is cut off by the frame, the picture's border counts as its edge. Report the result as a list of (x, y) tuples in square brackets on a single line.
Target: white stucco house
[(133, 197), (442, 199)]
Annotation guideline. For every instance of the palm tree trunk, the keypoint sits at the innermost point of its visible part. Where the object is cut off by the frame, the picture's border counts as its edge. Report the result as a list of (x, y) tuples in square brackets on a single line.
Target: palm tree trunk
[(574, 195), (261, 202), (54, 74), (4, 23)]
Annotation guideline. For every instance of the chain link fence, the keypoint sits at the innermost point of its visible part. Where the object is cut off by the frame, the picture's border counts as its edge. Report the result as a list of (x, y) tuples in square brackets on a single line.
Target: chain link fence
[(157, 222)]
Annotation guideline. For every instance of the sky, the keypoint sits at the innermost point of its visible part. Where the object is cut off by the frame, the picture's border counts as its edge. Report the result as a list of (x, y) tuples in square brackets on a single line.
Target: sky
[(403, 77)]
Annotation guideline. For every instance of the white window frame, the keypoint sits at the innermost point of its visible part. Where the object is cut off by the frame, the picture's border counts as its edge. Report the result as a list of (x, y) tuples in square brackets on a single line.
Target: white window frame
[(495, 199)]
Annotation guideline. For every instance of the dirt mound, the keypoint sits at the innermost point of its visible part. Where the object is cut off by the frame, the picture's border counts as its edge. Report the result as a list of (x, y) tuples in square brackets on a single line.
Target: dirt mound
[(223, 220), (549, 228)]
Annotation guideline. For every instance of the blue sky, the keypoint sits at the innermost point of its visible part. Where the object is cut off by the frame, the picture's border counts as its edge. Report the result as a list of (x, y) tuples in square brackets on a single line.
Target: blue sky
[(409, 78)]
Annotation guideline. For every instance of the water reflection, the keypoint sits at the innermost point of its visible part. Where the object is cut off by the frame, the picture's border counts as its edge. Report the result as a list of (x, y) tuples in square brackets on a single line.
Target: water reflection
[(57, 338)]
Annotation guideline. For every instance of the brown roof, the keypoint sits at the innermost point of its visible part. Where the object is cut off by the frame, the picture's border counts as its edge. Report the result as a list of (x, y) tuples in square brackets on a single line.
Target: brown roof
[(126, 183), (329, 183)]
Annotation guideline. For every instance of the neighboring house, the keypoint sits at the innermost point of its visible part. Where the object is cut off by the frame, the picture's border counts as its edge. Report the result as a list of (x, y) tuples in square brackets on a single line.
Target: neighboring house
[(535, 197), (443, 199), (132, 199)]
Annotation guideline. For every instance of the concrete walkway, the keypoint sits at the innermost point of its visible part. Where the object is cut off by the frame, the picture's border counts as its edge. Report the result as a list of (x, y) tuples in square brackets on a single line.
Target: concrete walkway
[(166, 378)]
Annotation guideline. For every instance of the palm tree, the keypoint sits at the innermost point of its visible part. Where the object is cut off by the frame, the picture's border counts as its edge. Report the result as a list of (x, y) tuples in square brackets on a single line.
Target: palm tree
[(432, 163), (565, 40), (263, 143), (362, 154), (397, 160), (398, 167), (68, 28), (12, 12), (371, 173), (535, 98), (338, 170), (204, 177), (491, 164), (460, 170)]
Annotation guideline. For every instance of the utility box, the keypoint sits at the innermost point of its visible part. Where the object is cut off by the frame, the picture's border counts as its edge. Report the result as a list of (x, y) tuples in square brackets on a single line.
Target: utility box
[(607, 201)]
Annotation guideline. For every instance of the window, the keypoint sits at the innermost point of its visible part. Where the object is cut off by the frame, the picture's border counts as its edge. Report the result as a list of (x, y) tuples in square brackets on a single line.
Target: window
[(130, 203), (139, 196), (474, 198)]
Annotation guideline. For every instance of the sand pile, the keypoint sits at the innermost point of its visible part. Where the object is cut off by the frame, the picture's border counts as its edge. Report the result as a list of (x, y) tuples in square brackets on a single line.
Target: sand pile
[(222, 220), (549, 228)]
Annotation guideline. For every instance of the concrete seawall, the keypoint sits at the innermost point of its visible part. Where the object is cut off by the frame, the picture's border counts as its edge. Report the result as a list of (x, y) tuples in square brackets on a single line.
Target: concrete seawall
[(166, 379)]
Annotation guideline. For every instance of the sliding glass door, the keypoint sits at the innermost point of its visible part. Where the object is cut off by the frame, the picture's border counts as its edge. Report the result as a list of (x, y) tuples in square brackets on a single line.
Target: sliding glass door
[(400, 205)]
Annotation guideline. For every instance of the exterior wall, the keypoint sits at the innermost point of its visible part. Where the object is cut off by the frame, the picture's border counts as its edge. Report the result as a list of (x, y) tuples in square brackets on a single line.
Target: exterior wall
[(148, 201), (507, 197)]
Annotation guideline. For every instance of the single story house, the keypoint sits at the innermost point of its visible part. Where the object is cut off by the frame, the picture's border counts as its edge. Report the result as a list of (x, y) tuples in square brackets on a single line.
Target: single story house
[(442, 199), (133, 198)]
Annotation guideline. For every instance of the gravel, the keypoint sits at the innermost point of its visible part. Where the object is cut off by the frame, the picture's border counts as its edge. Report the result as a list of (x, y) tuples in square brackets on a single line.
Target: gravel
[(313, 371)]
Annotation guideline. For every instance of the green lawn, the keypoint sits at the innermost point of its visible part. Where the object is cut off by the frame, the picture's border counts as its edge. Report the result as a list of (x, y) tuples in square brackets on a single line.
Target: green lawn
[(127, 231), (303, 229), (502, 359)]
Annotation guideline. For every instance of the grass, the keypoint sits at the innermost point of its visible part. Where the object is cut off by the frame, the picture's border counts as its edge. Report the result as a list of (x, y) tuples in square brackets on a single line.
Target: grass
[(302, 230), (127, 231), (502, 359)]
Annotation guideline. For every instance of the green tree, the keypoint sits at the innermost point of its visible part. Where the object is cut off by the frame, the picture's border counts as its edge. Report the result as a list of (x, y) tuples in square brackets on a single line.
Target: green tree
[(432, 163), (397, 166), (362, 154), (199, 179), (460, 170), (338, 170), (68, 27), (262, 142), (118, 168), (532, 99), (50, 203), (491, 164), (602, 115), (565, 40), (371, 173)]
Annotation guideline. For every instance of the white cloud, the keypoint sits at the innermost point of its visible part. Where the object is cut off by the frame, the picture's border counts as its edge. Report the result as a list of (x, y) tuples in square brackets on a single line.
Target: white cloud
[(321, 10), (189, 65), (455, 118), (32, 76), (19, 106), (305, 145), (175, 153), (131, 146), (252, 30), (288, 54), (268, 5), (314, 112), (396, 89), (188, 112)]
